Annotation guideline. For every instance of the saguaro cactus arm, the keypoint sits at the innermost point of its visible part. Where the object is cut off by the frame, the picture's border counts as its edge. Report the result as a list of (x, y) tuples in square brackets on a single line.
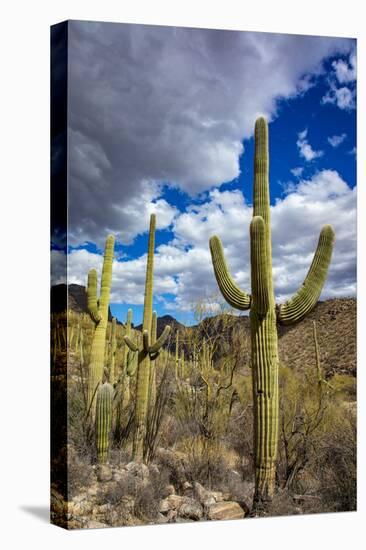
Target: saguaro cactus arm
[(229, 289), (147, 347), (154, 348), (92, 300), (130, 344), (307, 296)]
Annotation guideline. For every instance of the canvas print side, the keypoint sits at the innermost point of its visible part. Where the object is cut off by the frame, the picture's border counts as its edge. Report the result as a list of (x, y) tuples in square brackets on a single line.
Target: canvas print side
[(58, 298)]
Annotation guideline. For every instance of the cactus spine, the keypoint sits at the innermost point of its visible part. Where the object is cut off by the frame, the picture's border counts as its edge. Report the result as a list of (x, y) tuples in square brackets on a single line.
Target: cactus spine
[(264, 314), (98, 311), (146, 352), (103, 421)]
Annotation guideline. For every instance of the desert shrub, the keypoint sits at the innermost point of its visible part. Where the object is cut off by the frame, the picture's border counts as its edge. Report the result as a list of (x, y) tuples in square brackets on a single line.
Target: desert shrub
[(283, 504), (205, 461), (336, 465), (80, 474), (80, 433), (239, 435), (304, 418), (344, 385), (146, 504), (114, 493), (148, 496)]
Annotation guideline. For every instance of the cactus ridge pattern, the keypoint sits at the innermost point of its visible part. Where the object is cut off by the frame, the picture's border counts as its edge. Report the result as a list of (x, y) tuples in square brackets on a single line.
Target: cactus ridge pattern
[(147, 352), (98, 311), (103, 421), (113, 349), (264, 314)]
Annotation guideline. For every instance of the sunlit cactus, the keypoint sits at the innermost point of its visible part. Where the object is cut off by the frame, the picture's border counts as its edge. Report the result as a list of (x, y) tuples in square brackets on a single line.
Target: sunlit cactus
[(146, 352), (264, 314), (103, 421), (98, 311), (152, 381)]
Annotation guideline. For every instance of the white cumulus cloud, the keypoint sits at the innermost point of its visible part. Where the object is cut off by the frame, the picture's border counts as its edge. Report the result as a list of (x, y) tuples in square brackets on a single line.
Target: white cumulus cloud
[(305, 149), (342, 83), (336, 140), (183, 267), (150, 105)]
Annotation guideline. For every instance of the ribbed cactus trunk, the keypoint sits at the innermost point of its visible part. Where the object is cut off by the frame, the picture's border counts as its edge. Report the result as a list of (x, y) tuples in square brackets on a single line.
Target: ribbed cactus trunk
[(103, 421), (113, 349), (152, 381), (263, 326), (265, 314), (143, 370), (98, 310)]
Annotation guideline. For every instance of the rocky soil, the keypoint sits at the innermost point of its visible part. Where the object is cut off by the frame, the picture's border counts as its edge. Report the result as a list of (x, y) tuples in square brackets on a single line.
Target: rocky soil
[(122, 496)]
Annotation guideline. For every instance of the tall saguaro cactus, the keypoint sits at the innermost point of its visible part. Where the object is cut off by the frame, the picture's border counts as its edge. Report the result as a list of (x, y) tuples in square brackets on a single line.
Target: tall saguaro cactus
[(98, 311), (148, 351), (264, 314)]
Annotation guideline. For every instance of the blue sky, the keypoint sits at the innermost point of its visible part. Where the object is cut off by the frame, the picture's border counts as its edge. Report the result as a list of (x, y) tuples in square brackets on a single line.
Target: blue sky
[(175, 136)]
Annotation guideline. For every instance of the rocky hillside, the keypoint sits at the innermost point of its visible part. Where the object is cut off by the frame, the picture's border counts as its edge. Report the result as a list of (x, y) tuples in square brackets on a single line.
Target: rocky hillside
[(163, 322), (336, 327), (76, 298)]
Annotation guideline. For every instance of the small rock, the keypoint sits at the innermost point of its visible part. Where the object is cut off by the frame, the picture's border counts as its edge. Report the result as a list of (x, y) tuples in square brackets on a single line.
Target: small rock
[(168, 490), (93, 524), (58, 505), (128, 503), (139, 471), (190, 509), (79, 498), (172, 516), (114, 520), (187, 489), (172, 502), (82, 508), (205, 497), (218, 496), (154, 469), (120, 475), (104, 473), (93, 490), (225, 510), (162, 519)]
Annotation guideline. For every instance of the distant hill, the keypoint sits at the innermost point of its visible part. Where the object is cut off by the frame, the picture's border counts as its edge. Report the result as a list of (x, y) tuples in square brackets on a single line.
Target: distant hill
[(76, 297), (163, 322), (336, 328)]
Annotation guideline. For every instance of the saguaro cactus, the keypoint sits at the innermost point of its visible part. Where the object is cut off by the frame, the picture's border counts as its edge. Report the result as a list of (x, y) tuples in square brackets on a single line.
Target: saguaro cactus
[(98, 311), (103, 421), (264, 314), (148, 351)]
